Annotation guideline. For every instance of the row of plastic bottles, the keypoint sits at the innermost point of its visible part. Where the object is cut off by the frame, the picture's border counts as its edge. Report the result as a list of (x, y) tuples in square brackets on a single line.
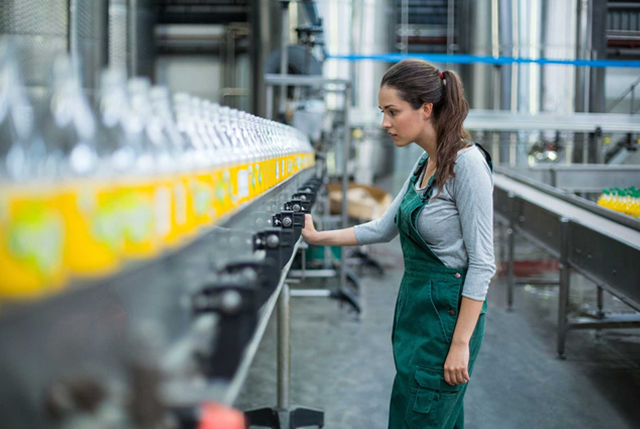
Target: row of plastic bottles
[(83, 190), (626, 200)]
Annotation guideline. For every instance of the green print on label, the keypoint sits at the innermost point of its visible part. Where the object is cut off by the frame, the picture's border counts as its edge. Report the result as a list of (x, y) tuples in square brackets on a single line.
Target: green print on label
[(37, 238), (138, 215)]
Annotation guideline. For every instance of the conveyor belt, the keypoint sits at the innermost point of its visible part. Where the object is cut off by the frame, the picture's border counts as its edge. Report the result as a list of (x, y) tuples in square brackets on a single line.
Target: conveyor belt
[(602, 245), (565, 209)]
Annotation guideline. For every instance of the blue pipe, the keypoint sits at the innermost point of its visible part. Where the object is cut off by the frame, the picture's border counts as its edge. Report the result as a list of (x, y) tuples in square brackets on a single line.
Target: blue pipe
[(478, 59)]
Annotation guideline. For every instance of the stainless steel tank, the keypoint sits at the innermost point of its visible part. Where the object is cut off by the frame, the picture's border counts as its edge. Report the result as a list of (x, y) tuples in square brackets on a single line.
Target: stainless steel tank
[(361, 27), (522, 29)]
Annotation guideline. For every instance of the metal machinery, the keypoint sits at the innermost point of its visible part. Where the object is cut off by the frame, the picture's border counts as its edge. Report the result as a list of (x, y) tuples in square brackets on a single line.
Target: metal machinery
[(145, 315), (196, 253), (539, 203)]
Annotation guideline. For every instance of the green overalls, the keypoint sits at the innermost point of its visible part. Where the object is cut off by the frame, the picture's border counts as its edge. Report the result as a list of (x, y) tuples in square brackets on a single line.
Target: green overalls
[(425, 318)]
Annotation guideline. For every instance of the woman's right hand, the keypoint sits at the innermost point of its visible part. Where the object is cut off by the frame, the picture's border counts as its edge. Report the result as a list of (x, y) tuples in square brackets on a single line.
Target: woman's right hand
[(309, 232)]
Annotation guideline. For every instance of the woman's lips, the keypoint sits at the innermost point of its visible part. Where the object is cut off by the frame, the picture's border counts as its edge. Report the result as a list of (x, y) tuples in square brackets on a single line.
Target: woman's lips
[(393, 136)]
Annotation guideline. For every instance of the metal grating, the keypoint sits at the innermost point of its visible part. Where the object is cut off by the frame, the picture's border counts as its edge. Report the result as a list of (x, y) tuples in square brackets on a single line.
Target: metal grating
[(118, 52), (34, 17)]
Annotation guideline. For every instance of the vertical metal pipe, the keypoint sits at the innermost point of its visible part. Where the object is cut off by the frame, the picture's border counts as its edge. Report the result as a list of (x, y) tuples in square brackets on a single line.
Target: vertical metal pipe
[(513, 215), (72, 35), (633, 98), (284, 355), (516, 53), (231, 58), (510, 267), (404, 37), (502, 253), (269, 100), (325, 218), (345, 181), (284, 57), (495, 52), (495, 35), (563, 299), (132, 40), (451, 16), (261, 47)]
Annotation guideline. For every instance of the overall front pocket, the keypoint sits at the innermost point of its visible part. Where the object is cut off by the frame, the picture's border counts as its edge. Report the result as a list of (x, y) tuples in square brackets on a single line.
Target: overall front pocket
[(432, 401)]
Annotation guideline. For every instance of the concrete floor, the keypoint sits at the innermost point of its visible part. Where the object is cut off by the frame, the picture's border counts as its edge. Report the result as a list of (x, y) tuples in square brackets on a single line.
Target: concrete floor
[(343, 364)]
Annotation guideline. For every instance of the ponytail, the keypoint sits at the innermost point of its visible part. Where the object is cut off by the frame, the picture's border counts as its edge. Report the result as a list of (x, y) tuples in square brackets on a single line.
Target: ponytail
[(449, 116)]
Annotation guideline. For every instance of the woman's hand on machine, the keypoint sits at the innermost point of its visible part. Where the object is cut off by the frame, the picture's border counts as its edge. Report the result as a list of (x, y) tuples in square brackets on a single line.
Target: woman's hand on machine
[(309, 232)]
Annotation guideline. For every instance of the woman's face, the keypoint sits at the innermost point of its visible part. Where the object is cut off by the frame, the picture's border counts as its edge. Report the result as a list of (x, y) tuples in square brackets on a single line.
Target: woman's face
[(401, 120)]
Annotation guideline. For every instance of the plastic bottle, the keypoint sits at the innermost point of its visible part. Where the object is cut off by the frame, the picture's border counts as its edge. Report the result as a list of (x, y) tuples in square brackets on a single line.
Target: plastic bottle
[(32, 230), (87, 198), (202, 185), (140, 198), (180, 167)]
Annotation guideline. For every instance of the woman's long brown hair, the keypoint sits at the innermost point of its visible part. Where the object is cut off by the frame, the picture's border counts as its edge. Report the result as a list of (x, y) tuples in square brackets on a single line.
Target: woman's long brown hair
[(419, 82)]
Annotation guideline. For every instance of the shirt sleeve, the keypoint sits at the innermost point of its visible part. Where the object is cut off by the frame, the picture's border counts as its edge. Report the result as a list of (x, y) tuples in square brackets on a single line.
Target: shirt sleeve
[(383, 229), (473, 194)]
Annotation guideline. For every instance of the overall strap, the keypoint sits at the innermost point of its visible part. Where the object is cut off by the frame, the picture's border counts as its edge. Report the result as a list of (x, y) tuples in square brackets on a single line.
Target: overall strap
[(487, 156), (421, 162)]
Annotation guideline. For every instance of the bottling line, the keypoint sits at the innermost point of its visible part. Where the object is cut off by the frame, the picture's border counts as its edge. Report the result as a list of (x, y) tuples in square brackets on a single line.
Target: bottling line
[(135, 289)]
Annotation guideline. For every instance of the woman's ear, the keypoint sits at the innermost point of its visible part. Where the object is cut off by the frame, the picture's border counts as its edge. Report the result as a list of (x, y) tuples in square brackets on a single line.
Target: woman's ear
[(427, 109)]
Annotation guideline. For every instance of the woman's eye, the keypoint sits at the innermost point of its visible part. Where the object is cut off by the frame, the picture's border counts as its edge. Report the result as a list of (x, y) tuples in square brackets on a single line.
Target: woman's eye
[(392, 112)]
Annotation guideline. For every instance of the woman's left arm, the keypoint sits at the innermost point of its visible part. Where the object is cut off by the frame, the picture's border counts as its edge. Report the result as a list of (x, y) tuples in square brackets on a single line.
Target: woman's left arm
[(473, 194)]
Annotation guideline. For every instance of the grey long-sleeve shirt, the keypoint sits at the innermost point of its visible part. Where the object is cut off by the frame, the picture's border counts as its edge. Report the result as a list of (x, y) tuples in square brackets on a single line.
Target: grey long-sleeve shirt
[(457, 225)]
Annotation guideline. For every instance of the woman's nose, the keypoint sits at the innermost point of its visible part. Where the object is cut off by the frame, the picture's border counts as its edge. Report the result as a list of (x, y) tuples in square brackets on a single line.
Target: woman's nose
[(385, 123)]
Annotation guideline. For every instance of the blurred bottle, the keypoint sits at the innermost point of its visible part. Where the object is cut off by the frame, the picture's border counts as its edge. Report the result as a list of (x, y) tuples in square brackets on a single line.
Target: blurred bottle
[(146, 198), (181, 165), (223, 181), (203, 183), (83, 177), (32, 230)]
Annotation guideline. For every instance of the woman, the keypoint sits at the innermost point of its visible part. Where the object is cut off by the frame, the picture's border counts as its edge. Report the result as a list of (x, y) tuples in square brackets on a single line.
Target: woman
[(444, 215)]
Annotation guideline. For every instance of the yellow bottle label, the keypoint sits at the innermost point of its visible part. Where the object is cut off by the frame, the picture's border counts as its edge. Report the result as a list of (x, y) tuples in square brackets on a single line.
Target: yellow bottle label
[(137, 202), (202, 188), (190, 228), (163, 211), (180, 230), (32, 241), (223, 190), (92, 218)]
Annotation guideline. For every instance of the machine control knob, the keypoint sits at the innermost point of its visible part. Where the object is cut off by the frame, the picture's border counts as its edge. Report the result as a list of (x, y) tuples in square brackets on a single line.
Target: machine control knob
[(287, 221), (231, 302), (296, 207), (273, 241)]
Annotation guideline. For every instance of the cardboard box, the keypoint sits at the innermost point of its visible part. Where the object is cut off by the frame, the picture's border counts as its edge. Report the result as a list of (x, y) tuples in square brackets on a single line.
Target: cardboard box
[(365, 202)]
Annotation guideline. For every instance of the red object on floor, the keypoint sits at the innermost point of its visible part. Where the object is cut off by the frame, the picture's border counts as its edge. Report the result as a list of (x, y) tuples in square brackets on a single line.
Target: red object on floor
[(216, 416), (530, 268)]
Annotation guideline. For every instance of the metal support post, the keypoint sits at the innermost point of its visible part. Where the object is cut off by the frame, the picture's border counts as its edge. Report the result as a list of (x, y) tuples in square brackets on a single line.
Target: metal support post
[(285, 416), (284, 58), (510, 263), (502, 239), (284, 350), (563, 298), (511, 251), (345, 184), (326, 215), (600, 302)]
